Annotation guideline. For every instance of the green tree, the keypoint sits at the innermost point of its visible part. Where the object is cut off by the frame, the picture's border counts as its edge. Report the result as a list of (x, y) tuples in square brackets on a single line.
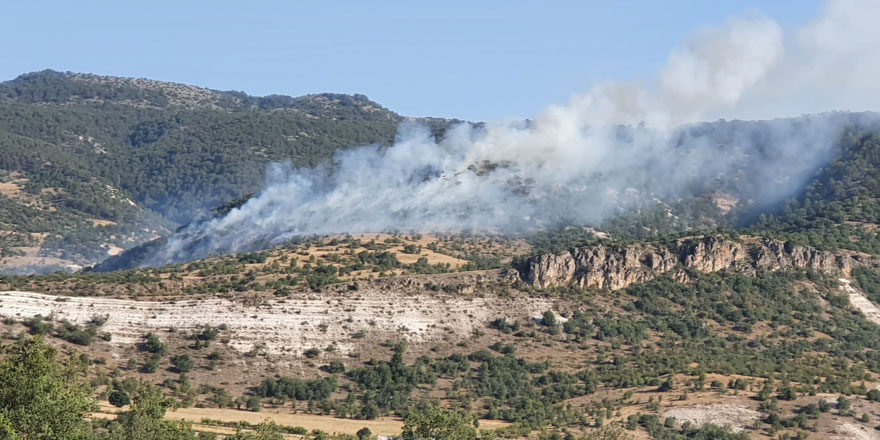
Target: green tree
[(608, 432), (153, 344), (264, 431), (39, 399), (119, 398), (182, 363), (364, 433), (437, 424), (146, 419), (254, 403)]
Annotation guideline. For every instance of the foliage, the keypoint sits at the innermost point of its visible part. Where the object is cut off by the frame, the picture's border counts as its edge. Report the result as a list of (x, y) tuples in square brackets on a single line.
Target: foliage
[(146, 419), (437, 424), (298, 389), (119, 398), (40, 399), (104, 141), (263, 431)]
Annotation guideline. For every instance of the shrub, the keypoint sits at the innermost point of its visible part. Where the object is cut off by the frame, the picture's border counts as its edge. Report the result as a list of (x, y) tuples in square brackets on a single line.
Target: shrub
[(152, 364), (119, 398), (312, 353), (253, 403), (153, 344), (37, 326), (182, 363), (335, 367)]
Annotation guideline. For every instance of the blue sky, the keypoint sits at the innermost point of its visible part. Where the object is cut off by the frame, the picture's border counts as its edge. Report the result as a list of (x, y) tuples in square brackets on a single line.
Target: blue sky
[(476, 60)]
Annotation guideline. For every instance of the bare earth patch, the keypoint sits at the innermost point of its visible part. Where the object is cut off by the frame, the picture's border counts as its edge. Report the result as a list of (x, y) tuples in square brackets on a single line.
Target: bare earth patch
[(99, 222), (860, 302), (10, 189), (722, 414), (285, 327), (849, 431)]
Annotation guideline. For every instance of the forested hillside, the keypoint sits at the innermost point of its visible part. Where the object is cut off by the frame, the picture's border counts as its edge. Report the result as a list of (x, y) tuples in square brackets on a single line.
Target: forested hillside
[(95, 165), (840, 207), (720, 315), (101, 162)]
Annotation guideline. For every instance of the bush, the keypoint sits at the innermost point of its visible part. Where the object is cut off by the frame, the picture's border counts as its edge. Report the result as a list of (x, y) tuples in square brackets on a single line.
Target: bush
[(153, 344), (119, 398), (152, 364), (364, 433), (182, 363), (76, 334), (37, 326), (335, 367), (99, 320), (253, 403), (207, 334), (312, 353)]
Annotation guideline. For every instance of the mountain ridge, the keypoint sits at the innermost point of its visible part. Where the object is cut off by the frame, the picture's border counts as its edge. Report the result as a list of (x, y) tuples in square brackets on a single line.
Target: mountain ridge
[(174, 150), (38, 87)]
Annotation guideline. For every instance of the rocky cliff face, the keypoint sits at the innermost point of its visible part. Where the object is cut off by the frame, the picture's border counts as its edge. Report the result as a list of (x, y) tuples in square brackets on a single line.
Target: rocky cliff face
[(615, 267)]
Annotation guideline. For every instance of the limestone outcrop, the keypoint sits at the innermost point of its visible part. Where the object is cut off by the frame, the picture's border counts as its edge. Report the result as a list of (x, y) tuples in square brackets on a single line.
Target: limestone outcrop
[(607, 266)]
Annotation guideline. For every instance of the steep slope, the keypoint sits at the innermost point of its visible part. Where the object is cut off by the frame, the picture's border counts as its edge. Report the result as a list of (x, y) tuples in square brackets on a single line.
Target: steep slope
[(56, 214), (840, 206), (616, 267), (176, 147), (172, 150), (729, 175)]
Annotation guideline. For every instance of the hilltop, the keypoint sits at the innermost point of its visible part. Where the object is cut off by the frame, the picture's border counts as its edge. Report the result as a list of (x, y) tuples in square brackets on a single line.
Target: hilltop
[(667, 318), (94, 165), (98, 165)]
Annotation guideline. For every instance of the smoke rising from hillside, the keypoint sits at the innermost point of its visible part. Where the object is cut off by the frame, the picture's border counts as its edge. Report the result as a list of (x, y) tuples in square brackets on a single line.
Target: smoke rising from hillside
[(612, 148)]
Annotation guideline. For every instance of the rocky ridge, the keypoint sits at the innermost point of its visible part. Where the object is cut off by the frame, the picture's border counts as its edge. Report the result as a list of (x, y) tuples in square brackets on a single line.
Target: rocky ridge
[(608, 266)]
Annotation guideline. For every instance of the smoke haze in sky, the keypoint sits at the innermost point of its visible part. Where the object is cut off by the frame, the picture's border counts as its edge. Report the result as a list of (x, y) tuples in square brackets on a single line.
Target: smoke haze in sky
[(613, 146)]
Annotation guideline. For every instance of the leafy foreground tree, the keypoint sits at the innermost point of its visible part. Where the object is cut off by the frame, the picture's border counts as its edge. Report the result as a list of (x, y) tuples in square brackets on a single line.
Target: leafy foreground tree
[(40, 399), (265, 431), (146, 419), (438, 424)]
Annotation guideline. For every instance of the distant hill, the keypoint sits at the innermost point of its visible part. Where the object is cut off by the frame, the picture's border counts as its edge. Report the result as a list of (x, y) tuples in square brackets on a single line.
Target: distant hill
[(832, 204), (95, 164)]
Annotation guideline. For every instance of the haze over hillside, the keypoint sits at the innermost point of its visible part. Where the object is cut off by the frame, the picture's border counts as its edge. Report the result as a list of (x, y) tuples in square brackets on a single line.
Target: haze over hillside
[(133, 159), (93, 165), (691, 256), (613, 151)]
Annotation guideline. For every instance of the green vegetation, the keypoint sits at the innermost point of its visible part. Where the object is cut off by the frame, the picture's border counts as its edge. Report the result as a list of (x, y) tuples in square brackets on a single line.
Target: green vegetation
[(438, 424), (841, 205), (79, 148), (40, 399), (43, 400), (84, 145)]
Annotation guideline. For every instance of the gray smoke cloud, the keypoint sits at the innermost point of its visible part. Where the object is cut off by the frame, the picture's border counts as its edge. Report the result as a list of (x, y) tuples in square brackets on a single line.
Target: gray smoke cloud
[(614, 147)]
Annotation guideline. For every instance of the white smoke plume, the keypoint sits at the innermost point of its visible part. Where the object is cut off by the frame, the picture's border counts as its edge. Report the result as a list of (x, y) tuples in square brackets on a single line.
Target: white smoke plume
[(614, 146)]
